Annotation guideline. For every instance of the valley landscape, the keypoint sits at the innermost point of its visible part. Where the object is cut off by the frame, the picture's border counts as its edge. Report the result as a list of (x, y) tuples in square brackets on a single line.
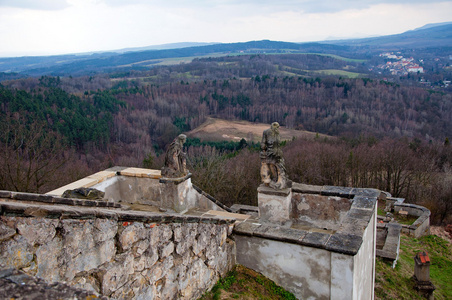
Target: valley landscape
[(369, 113)]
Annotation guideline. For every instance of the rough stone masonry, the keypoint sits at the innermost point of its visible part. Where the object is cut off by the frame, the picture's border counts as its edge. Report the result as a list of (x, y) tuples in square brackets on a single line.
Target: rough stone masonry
[(127, 255)]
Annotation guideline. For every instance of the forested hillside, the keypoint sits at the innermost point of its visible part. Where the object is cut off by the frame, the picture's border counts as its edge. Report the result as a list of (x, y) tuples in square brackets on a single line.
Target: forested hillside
[(391, 135)]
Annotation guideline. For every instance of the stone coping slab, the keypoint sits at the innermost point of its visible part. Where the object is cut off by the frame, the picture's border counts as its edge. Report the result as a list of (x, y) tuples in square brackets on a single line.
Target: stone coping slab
[(98, 177), (391, 246), (270, 191), (51, 199), (339, 191), (86, 182), (339, 242), (140, 172), (64, 212), (239, 217)]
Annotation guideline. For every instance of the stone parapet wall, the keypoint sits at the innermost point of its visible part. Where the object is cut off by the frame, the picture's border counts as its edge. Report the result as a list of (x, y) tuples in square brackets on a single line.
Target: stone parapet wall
[(421, 226), (313, 261), (119, 254), (51, 199)]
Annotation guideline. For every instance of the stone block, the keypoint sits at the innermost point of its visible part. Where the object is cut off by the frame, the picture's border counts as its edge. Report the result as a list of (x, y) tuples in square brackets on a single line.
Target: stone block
[(6, 232), (130, 235), (306, 188), (344, 243), (363, 214), (45, 198), (15, 253), (246, 228), (373, 193), (363, 202), (275, 206), (116, 273), (345, 192), (24, 196), (282, 234), (37, 230), (176, 196), (140, 172), (5, 194), (228, 215), (315, 239)]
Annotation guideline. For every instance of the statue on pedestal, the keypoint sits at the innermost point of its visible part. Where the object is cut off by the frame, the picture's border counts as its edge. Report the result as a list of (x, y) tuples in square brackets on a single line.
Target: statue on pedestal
[(273, 171), (175, 161)]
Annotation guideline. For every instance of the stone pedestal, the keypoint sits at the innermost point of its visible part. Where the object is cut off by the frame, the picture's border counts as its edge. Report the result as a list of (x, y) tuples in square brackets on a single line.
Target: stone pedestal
[(275, 206), (422, 275), (175, 193)]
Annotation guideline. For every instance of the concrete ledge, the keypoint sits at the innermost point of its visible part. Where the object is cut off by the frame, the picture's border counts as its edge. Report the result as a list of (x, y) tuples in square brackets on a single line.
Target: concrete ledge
[(245, 209), (140, 172), (344, 192), (60, 211), (86, 182), (344, 243), (338, 242), (45, 198), (363, 202), (306, 188), (269, 191), (371, 193), (391, 246)]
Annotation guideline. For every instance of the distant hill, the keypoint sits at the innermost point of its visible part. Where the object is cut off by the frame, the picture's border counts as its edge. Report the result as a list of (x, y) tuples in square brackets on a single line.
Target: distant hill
[(82, 64), (428, 36), (164, 46)]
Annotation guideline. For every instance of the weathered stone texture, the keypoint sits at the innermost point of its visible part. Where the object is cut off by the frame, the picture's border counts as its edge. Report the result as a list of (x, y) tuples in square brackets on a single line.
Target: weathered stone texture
[(15, 284), (120, 260)]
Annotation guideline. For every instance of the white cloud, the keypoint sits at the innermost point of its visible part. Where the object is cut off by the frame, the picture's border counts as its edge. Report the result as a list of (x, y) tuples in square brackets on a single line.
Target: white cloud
[(35, 4), (90, 25)]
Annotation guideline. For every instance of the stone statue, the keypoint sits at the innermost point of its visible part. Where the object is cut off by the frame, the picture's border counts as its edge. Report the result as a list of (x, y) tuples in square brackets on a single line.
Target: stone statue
[(273, 171), (175, 162)]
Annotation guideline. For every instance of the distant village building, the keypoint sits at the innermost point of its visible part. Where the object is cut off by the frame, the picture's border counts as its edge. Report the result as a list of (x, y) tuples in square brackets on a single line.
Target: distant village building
[(415, 69)]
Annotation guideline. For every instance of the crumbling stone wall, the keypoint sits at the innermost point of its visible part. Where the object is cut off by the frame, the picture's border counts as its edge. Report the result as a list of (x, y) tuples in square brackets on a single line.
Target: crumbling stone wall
[(120, 259)]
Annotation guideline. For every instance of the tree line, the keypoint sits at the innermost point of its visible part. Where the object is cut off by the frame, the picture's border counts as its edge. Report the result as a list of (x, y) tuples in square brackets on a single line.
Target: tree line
[(72, 127)]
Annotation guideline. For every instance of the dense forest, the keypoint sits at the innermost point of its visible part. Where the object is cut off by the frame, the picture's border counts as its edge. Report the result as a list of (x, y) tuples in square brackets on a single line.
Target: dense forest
[(387, 134)]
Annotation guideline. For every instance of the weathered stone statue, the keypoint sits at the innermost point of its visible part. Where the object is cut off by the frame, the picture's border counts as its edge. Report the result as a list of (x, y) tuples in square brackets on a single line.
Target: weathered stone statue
[(175, 161), (273, 171)]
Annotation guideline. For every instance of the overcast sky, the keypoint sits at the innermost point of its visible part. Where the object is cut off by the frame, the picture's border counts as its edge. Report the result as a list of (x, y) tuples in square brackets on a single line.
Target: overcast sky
[(45, 27)]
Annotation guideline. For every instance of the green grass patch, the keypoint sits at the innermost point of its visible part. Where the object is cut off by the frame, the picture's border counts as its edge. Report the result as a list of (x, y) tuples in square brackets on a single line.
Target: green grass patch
[(340, 57), (381, 208), (338, 73), (243, 283), (397, 283)]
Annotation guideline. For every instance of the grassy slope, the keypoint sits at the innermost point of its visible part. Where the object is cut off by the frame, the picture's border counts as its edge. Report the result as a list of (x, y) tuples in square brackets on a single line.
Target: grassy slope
[(243, 283), (398, 284)]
